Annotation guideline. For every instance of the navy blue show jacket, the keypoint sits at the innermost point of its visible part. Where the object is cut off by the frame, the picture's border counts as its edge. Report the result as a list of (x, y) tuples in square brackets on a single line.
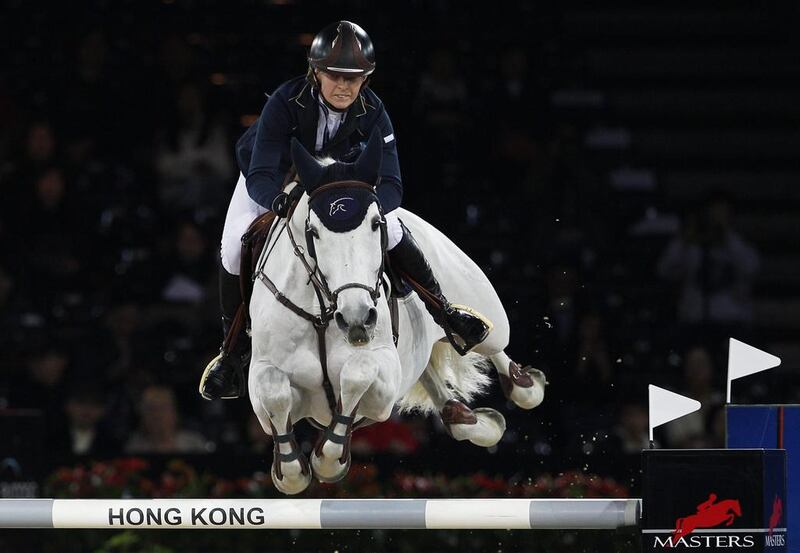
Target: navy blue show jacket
[(292, 111)]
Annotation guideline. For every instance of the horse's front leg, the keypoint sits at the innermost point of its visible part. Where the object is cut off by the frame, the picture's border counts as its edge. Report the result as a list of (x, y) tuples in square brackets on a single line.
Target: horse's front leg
[(272, 396), (368, 388)]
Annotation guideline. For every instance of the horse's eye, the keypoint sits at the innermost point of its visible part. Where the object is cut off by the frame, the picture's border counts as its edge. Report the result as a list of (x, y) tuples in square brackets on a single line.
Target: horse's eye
[(314, 232), (376, 223)]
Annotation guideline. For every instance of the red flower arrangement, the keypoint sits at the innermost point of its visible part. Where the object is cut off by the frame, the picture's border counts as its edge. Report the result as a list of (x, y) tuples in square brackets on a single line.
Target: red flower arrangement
[(130, 477)]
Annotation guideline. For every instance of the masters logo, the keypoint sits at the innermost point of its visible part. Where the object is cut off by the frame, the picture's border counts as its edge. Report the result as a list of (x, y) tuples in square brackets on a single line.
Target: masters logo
[(707, 528), (772, 539), (710, 514)]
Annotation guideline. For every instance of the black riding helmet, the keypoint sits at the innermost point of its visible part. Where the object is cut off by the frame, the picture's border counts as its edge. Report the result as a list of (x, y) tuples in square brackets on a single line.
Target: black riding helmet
[(342, 47)]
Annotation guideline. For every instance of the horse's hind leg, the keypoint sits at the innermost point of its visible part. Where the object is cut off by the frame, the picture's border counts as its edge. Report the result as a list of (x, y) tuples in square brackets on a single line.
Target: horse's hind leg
[(483, 426), (271, 396), (522, 385)]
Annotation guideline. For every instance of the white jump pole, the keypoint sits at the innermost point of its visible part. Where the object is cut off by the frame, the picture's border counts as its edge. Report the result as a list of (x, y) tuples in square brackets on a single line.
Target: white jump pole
[(561, 514)]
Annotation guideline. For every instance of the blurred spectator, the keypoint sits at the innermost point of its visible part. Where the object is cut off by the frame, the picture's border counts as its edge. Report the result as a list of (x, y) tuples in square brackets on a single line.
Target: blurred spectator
[(55, 254), (38, 153), (517, 96), (594, 366), (89, 100), (442, 98), (631, 434), (176, 59), (6, 285), (116, 352), (188, 267), (713, 265), (85, 409), (698, 383), (9, 114), (159, 427), (40, 145), (515, 87), (194, 157), (42, 386)]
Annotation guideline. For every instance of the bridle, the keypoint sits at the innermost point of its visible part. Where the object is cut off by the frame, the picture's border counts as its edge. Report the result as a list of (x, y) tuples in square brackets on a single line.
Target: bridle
[(314, 273), (328, 300)]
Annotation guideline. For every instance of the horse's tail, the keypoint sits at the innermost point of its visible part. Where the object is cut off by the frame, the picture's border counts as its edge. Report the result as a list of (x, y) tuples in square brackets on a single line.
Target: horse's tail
[(466, 376)]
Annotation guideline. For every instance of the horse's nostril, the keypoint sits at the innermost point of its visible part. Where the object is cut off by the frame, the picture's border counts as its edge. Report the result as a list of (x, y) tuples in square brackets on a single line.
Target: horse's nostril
[(372, 317), (340, 322)]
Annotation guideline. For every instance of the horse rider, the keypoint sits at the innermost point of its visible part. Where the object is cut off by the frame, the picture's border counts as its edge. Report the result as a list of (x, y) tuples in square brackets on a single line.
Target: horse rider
[(331, 111)]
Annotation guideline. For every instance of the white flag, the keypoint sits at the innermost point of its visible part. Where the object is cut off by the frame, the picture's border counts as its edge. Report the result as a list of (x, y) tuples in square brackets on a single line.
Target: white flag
[(744, 360), (667, 406)]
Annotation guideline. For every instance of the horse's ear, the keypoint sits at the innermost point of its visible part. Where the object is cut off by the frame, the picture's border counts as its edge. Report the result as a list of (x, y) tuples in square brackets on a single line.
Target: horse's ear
[(368, 165), (308, 169)]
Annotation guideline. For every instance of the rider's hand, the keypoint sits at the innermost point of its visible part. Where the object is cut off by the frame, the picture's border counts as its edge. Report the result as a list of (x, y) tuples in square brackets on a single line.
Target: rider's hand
[(280, 205)]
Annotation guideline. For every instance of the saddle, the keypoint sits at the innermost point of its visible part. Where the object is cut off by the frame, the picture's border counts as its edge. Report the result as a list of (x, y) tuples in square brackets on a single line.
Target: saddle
[(253, 242)]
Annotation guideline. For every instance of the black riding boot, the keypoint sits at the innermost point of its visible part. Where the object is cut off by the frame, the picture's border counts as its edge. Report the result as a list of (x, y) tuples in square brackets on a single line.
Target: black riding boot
[(224, 376), (465, 327)]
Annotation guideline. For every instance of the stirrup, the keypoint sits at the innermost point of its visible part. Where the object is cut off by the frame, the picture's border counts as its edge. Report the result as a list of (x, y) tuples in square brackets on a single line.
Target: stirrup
[(459, 343), (204, 377), (477, 314)]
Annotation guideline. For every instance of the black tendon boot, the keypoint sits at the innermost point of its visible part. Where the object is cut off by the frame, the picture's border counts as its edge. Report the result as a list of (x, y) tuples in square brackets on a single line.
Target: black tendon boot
[(465, 327), (224, 376)]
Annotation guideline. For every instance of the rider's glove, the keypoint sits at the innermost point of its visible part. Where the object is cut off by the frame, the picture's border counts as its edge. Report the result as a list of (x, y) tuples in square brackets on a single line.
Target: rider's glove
[(280, 205)]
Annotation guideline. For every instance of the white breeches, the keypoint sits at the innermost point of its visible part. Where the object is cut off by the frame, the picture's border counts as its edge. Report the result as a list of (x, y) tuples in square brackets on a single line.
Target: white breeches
[(394, 230), (243, 210)]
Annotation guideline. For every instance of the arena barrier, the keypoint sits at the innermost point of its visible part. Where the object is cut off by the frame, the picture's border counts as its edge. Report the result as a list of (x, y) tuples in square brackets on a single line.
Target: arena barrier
[(501, 514)]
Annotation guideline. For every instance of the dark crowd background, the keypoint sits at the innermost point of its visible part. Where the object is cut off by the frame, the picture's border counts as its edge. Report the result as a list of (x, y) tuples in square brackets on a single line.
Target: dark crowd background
[(627, 176)]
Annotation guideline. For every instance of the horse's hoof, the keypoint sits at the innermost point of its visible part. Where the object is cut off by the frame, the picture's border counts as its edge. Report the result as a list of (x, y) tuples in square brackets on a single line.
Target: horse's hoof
[(291, 484), (524, 385), (332, 476), (485, 432)]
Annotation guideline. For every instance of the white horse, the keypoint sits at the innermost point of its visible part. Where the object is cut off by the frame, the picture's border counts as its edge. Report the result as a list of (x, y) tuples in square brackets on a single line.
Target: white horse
[(339, 281)]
